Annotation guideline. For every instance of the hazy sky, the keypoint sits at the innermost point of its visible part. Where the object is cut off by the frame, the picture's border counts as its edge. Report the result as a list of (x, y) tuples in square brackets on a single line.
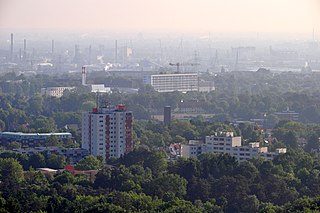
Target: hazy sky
[(272, 16)]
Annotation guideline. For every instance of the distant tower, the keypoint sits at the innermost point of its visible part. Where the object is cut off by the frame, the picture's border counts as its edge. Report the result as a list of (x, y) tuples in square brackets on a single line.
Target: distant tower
[(237, 61), (89, 55), (76, 54), (116, 53), (11, 48), (24, 49), (20, 54), (167, 115), (84, 76)]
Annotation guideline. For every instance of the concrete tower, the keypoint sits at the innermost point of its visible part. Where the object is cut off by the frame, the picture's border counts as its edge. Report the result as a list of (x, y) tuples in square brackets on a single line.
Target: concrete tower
[(11, 48), (167, 115), (107, 131), (84, 76)]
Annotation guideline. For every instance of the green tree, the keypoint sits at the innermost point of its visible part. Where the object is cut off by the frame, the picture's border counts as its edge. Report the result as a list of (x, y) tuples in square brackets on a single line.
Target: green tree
[(56, 161), (11, 176), (167, 185), (312, 142), (37, 160), (88, 163)]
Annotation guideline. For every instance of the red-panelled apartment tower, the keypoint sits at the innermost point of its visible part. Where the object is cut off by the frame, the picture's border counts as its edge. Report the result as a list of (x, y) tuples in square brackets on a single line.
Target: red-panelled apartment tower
[(107, 131)]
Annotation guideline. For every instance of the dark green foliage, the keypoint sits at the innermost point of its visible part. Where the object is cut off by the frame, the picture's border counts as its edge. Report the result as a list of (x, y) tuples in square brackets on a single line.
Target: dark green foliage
[(88, 163)]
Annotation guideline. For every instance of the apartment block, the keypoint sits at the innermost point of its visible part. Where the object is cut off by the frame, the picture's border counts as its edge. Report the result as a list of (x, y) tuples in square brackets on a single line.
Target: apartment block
[(107, 131), (226, 142)]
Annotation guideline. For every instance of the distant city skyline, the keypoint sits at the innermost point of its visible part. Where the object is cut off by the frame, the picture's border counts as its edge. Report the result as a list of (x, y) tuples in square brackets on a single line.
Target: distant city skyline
[(216, 16)]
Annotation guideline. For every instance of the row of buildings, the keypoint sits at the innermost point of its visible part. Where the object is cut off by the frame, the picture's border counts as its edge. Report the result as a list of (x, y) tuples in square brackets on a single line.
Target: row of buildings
[(226, 142), (107, 131)]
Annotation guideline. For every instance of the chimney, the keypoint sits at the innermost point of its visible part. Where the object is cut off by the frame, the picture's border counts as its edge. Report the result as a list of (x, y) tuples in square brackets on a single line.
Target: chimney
[(24, 49), (167, 115), (11, 48), (84, 80)]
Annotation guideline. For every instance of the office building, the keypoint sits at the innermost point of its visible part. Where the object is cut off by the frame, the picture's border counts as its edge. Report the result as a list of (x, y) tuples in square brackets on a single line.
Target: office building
[(107, 131), (173, 82)]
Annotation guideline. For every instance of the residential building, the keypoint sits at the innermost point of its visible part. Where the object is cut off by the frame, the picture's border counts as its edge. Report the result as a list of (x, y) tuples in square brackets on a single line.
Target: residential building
[(55, 91), (107, 131), (226, 142), (32, 139), (191, 150), (191, 106), (173, 82), (73, 155), (100, 88), (288, 115)]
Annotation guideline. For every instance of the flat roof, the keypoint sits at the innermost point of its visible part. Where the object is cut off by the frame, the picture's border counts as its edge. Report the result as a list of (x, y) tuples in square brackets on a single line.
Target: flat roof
[(35, 134)]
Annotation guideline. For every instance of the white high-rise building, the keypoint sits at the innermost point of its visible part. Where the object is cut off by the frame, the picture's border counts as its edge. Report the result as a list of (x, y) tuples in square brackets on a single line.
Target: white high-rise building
[(184, 82), (107, 131)]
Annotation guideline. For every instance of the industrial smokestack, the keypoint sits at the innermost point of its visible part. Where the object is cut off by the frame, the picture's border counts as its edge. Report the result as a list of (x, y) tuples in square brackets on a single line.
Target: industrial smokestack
[(84, 77), (116, 53), (89, 56), (11, 48), (20, 54), (24, 49)]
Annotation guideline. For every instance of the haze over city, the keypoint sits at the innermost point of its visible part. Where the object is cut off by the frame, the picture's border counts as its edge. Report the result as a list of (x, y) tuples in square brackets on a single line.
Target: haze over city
[(216, 16), (190, 106)]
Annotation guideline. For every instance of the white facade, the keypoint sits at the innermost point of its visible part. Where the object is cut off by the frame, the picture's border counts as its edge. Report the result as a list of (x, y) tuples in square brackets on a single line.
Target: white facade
[(191, 150), (55, 91), (107, 131), (225, 142), (100, 88), (173, 82)]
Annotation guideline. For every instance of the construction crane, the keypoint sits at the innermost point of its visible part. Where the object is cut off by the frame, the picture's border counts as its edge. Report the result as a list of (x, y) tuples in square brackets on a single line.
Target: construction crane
[(182, 64)]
